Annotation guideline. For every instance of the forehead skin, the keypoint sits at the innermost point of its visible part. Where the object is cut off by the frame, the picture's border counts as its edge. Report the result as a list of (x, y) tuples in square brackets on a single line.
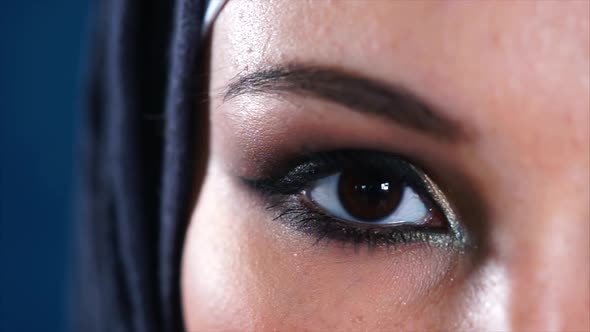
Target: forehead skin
[(515, 60), (516, 75)]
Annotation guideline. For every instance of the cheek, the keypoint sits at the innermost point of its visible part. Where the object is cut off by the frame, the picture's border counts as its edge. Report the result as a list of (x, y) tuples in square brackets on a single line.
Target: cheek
[(212, 278), (242, 271)]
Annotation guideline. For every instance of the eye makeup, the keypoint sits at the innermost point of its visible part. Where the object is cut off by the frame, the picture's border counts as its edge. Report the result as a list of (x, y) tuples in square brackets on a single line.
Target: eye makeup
[(364, 199)]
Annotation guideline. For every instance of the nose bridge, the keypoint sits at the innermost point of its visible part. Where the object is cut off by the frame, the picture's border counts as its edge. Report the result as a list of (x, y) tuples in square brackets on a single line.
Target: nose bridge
[(547, 259)]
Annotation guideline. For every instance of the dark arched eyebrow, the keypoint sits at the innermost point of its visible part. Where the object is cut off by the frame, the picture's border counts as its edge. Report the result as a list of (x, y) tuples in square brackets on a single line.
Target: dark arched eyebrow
[(357, 93)]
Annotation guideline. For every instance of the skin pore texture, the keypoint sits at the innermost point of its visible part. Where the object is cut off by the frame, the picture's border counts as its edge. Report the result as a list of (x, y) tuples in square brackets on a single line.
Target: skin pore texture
[(514, 77)]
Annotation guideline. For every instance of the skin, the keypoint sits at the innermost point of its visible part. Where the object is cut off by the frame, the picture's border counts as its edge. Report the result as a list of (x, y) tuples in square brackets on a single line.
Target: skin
[(514, 75)]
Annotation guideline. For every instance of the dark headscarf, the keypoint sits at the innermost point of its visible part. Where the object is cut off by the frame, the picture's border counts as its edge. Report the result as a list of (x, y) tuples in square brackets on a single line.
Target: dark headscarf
[(139, 149)]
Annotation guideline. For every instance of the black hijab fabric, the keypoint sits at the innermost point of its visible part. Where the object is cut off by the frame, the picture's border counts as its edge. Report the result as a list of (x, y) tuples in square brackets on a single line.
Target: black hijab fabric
[(138, 164)]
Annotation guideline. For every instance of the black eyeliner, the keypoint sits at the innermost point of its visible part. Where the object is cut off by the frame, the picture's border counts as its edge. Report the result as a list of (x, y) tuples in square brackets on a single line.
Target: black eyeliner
[(282, 190)]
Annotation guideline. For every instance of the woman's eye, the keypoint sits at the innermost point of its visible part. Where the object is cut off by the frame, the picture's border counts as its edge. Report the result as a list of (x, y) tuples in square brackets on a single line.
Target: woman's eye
[(369, 197), (360, 196)]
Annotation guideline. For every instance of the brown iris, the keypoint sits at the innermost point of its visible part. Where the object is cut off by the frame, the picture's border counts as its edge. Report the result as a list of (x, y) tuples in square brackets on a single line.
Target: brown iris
[(368, 195)]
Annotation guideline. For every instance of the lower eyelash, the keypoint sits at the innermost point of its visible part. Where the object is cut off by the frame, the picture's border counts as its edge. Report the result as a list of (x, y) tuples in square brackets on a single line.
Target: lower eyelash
[(293, 212)]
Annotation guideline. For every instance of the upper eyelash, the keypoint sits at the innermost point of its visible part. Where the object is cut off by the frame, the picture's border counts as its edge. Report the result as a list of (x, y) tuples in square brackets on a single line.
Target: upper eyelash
[(289, 180), (281, 187)]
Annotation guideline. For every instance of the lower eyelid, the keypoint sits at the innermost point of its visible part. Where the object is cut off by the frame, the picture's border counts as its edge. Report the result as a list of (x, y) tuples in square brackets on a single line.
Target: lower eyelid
[(298, 214)]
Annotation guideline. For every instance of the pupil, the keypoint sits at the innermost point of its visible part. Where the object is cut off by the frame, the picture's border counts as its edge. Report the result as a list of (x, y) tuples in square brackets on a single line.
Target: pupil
[(368, 195)]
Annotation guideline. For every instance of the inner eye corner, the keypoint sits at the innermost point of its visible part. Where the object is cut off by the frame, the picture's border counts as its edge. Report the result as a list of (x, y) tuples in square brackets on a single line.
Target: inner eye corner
[(382, 199)]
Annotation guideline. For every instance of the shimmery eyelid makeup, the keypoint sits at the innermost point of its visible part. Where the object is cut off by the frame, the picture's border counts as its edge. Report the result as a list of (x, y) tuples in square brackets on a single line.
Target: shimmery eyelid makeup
[(446, 208), (283, 192)]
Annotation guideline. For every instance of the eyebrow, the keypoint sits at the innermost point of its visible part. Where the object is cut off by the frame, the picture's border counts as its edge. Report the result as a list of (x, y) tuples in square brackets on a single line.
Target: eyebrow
[(357, 93)]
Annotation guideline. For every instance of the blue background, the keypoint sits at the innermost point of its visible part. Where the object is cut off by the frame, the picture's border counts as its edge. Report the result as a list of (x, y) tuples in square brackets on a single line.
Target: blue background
[(42, 54)]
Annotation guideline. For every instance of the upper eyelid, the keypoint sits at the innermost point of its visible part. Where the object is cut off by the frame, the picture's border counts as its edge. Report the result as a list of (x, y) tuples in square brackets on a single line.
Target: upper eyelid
[(322, 163)]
